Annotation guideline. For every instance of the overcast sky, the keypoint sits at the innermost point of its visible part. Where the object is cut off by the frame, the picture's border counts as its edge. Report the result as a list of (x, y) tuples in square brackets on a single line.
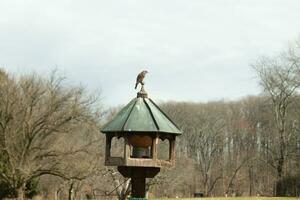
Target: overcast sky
[(194, 50)]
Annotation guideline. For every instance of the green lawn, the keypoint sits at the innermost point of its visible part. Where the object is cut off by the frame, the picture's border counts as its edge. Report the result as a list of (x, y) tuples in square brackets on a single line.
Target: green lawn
[(236, 198)]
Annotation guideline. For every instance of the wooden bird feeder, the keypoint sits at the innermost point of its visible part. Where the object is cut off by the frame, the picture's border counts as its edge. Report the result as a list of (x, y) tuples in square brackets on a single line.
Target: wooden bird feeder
[(143, 125)]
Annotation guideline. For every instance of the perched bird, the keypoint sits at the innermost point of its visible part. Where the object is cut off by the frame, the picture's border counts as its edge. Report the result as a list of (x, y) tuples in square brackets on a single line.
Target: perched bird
[(140, 78)]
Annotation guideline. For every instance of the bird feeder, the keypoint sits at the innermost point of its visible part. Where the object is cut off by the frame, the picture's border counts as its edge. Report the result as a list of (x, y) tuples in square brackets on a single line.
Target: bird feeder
[(143, 125)]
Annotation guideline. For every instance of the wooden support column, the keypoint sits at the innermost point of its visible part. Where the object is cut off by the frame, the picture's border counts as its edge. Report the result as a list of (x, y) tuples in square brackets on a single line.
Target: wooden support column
[(138, 183), (154, 148), (172, 150), (127, 150), (108, 146)]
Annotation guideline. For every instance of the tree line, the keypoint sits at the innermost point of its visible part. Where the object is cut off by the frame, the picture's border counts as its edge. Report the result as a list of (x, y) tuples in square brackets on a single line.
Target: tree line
[(51, 145), (250, 146)]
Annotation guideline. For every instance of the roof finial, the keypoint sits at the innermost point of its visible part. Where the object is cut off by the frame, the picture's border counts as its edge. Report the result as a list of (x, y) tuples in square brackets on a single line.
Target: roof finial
[(140, 79)]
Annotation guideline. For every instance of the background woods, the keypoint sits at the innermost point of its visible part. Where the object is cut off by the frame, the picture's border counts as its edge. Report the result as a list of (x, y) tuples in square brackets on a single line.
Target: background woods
[(50, 142)]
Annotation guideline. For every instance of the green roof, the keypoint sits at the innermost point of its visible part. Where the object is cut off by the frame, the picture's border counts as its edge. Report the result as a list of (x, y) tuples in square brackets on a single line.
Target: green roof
[(141, 115)]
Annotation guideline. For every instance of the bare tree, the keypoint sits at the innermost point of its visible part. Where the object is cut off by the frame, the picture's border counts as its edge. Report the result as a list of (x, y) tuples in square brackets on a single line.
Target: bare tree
[(280, 79), (38, 119), (208, 148), (203, 126)]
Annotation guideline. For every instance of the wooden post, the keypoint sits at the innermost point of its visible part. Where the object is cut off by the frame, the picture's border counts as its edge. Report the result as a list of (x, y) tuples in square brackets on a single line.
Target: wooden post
[(154, 148), (108, 146), (172, 150), (138, 177), (138, 183), (127, 150)]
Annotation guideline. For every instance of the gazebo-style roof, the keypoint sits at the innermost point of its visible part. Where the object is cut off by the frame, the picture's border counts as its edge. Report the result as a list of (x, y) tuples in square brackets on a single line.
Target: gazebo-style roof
[(141, 115)]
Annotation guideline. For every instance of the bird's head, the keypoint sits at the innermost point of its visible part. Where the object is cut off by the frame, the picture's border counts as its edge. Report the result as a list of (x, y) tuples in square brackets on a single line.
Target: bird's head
[(145, 72)]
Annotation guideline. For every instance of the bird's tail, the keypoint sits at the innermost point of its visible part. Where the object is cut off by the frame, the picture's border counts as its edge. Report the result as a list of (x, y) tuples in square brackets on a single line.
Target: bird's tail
[(136, 85)]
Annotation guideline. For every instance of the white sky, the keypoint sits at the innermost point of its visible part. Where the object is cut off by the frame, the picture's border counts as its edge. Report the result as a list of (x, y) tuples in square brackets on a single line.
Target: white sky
[(195, 50)]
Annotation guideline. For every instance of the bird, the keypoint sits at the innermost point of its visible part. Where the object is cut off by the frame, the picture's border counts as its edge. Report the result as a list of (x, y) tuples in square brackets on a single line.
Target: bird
[(140, 78)]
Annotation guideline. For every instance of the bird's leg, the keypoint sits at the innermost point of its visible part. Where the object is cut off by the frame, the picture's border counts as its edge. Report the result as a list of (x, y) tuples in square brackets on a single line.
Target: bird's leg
[(142, 89)]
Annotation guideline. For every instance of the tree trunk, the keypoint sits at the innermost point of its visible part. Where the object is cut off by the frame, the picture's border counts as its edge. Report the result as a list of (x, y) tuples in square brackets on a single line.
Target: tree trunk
[(250, 175), (21, 192), (281, 160), (71, 191), (56, 194)]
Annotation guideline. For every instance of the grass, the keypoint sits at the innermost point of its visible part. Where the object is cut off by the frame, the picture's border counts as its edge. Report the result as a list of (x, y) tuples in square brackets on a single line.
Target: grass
[(235, 198)]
